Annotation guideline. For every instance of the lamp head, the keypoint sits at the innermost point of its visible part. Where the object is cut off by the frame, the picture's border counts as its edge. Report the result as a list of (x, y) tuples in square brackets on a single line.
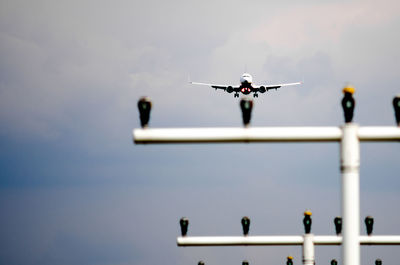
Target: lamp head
[(144, 106), (289, 260), (348, 103), (369, 223), (396, 107), (184, 223), (307, 221), (245, 225), (338, 225), (246, 105)]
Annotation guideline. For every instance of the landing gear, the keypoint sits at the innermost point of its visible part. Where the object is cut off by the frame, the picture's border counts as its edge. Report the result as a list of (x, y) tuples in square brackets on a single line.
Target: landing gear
[(255, 95), (236, 95)]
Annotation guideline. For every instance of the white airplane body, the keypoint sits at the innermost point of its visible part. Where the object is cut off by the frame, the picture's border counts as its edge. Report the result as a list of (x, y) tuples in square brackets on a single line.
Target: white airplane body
[(246, 86)]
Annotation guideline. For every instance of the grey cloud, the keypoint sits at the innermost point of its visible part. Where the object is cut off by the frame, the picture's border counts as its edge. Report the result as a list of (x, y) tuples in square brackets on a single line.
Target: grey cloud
[(72, 71)]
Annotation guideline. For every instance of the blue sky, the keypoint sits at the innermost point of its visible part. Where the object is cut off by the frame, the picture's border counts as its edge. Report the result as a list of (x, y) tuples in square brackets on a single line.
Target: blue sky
[(74, 188)]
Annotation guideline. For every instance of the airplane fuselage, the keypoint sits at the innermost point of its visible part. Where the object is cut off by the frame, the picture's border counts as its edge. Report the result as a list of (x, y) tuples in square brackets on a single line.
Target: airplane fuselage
[(246, 81), (246, 88)]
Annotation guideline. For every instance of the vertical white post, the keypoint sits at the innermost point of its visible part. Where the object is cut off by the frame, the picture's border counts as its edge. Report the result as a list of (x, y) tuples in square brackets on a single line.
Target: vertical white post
[(350, 164), (308, 250)]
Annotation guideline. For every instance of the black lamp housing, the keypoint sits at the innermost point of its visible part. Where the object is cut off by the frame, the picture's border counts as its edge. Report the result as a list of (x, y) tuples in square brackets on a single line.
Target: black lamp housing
[(307, 221), (246, 105), (396, 106), (348, 104), (338, 225), (369, 223), (184, 223), (144, 106), (245, 225)]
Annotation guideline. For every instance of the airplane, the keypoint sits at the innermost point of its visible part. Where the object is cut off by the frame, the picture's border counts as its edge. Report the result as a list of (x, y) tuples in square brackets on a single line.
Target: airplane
[(246, 86)]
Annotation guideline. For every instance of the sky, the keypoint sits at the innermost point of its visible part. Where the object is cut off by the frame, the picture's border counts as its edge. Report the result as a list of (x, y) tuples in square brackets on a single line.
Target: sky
[(74, 189)]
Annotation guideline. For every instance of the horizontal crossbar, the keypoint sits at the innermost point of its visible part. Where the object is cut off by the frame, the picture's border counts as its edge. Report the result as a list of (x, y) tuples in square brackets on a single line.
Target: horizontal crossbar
[(280, 240), (260, 134)]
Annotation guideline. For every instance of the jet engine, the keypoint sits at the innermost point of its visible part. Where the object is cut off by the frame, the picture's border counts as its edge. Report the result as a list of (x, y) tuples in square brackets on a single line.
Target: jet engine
[(262, 89), (229, 89)]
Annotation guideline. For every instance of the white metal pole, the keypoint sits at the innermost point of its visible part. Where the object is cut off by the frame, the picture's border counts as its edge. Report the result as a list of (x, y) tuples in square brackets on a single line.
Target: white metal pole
[(308, 250), (350, 164)]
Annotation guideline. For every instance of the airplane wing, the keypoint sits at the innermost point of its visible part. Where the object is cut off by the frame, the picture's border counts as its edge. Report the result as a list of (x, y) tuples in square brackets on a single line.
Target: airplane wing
[(216, 86), (268, 87)]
